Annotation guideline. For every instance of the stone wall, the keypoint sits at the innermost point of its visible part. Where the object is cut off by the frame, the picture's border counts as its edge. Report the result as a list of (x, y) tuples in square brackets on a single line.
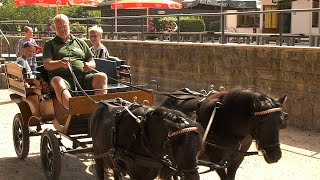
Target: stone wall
[(278, 71), (293, 71)]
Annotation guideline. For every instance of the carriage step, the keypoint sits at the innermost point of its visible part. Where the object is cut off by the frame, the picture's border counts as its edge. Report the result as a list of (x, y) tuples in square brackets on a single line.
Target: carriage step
[(79, 151)]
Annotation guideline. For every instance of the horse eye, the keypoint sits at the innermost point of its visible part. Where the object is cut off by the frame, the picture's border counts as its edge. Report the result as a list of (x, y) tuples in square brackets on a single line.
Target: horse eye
[(284, 115)]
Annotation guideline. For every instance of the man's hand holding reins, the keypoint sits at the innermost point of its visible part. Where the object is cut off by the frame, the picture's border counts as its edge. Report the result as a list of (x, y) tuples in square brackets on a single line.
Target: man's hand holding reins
[(89, 65)]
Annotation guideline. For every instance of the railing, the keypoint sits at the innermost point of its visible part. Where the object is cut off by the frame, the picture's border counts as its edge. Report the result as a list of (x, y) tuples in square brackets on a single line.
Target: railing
[(222, 36), (279, 37)]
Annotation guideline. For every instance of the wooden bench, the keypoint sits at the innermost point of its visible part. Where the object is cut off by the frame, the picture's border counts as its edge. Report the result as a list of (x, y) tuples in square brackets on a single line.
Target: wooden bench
[(159, 35), (314, 39), (124, 35)]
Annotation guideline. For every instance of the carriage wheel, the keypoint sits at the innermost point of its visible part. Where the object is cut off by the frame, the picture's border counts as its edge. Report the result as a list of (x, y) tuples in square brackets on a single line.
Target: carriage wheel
[(50, 155), (21, 138)]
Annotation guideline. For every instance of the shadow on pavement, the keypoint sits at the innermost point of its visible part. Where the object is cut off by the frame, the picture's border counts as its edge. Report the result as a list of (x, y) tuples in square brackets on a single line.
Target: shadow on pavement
[(12, 168)]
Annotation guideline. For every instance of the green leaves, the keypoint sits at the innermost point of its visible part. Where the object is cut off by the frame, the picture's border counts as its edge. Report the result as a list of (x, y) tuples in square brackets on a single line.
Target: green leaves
[(40, 15)]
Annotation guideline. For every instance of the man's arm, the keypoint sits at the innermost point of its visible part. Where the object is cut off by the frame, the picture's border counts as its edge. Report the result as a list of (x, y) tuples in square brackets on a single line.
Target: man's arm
[(49, 64)]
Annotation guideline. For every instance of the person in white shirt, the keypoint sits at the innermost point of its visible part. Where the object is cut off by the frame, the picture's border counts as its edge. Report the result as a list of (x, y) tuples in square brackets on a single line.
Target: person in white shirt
[(98, 49)]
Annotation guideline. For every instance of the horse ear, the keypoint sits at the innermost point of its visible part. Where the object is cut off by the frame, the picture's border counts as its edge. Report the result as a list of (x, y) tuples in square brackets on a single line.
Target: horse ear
[(257, 104), (283, 100)]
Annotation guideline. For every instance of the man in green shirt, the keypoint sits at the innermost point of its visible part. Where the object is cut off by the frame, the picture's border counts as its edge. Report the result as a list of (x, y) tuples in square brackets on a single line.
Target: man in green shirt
[(65, 50)]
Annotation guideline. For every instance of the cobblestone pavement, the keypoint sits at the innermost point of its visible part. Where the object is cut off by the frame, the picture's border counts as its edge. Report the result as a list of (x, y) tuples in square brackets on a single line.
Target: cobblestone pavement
[(300, 159)]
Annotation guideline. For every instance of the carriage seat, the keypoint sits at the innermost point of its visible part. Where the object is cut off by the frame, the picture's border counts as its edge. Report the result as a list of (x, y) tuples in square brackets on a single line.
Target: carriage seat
[(110, 68), (107, 66)]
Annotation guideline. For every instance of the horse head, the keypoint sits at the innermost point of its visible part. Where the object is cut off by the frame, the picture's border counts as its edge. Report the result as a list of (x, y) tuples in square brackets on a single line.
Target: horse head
[(268, 118), (176, 137)]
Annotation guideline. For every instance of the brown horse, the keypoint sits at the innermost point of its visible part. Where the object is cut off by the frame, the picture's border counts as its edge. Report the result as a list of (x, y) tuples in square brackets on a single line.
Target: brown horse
[(237, 116), (139, 141)]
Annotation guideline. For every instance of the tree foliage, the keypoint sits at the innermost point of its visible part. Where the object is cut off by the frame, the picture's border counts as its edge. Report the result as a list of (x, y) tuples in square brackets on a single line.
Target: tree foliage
[(40, 15)]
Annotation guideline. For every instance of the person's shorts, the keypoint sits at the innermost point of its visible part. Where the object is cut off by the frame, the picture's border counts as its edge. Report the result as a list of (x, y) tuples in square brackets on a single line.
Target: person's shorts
[(84, 80)]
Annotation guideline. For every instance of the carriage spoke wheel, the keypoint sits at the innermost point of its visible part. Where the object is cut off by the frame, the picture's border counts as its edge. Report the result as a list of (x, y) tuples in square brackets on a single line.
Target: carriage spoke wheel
[(21, 138), (50, 155)]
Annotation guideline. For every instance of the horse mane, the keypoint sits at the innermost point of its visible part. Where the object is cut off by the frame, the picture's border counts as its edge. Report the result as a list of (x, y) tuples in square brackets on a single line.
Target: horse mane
[(248, 96), (175, 116)]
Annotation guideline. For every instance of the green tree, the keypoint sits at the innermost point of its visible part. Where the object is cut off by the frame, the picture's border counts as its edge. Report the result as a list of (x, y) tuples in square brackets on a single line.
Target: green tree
[(41, 15)]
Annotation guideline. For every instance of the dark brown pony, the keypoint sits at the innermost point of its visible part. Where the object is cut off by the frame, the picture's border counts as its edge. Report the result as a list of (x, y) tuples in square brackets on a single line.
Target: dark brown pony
[(139, 141), (240, 115)]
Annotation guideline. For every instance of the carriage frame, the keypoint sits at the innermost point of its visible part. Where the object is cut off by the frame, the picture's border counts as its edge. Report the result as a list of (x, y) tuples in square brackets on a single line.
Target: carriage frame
[(38, 108)]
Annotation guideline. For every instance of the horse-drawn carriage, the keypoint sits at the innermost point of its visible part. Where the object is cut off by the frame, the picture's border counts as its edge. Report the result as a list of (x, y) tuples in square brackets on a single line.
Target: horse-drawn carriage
[(141, 140), (39, 107)]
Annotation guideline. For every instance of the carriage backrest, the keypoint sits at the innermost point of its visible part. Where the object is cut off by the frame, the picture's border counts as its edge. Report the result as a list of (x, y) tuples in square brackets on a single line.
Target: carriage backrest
[(15, 78), (117, 60), (108, 67), (19, 82)]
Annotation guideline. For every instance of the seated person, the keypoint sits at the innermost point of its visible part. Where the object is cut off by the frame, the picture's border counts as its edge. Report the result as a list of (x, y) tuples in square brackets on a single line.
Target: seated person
[(151, 27), (48, 27), (28, 37), (65, 52), (98, 49), (167, 27), (174, 26), (28, 50)]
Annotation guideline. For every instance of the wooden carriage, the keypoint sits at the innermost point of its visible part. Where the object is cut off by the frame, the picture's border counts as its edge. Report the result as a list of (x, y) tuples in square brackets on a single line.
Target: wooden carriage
[(38, 108)]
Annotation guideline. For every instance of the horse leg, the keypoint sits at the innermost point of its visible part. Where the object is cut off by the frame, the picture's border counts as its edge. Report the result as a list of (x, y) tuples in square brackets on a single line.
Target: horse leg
[(143, 173), (222, 174), (117, 175), (233, 167), (165, 174), (99, 169)]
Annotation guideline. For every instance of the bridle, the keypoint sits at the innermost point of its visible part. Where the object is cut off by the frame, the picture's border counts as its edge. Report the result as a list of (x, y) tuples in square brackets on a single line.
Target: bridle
[(183, 127), (255, 132), (235, 149)]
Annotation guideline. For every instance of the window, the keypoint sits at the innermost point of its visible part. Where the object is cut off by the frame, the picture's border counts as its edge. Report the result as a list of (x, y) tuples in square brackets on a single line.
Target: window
[(271, 19), (248, 20), (315, 15)]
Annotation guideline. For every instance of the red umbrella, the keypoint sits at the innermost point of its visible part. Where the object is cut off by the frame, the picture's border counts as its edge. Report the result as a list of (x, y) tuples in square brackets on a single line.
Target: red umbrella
[(144, 4), (56, 3)]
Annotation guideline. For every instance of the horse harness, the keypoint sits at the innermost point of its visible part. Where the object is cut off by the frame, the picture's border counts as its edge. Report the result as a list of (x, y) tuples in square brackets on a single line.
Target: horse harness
[(117, 153)]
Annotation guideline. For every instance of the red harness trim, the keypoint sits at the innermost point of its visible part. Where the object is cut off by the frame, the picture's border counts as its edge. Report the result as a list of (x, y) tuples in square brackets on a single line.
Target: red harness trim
[(267, 111), (182, 131)]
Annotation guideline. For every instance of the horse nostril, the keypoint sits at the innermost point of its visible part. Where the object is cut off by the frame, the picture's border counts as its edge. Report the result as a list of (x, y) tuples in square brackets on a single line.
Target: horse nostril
[(283, 125), (284, 122)]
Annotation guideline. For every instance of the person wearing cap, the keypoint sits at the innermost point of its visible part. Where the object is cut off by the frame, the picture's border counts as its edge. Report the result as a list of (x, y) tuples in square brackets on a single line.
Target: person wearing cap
[(28, 50), (65, 52), (28, 37), (98, 49)]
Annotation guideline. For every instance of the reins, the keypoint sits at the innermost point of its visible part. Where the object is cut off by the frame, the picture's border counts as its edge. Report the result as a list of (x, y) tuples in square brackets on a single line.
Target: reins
[(130, 85)]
